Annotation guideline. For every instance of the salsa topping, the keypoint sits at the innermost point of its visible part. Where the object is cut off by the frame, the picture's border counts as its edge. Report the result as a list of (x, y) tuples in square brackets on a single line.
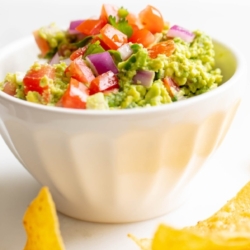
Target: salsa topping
[(120, 60)]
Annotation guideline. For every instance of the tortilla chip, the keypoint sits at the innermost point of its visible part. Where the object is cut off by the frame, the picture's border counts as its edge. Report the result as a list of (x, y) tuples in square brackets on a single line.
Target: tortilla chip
[(41, 224), (234, 216), (228, 228), (182, 239)]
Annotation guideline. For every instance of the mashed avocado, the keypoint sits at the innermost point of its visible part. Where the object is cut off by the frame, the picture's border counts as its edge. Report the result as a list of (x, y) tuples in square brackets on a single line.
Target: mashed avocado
[(191, 67), (139, 80)]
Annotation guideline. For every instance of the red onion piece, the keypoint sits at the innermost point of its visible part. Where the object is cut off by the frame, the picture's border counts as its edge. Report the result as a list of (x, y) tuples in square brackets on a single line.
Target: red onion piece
[(67, 61), (101, 63), (125, 51), (178, 31), (72, 27), (55, 59), (144, 77)]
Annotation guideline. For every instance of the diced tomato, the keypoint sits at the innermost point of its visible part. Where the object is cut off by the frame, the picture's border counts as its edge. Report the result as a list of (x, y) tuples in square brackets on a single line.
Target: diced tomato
[(91, 26), (98, 38), (79, 70), (42, 44), (33, 77), (171, 86), (143, 36), (109, 91), (104, 82), (75, 96), (152, 19), (166, 47), (9, 88), (108, 10), (133, 20), (78, 52), (135, 28), (112, 37)]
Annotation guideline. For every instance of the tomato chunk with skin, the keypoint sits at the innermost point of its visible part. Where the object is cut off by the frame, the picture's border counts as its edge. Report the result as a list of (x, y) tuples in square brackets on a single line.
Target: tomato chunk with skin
[(79, 70), (166, 47), (91, 26), (98, 39), (112, 37), (171, 86), (78, 52), (133, 19), (42, 44), (143, 36), (108, 10), (152, 19), (75, 96), (33, 77), (9, 88), (104, 82)]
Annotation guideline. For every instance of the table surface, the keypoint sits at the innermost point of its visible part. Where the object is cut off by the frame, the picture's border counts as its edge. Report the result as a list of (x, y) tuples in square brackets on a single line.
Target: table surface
[(220, 179)]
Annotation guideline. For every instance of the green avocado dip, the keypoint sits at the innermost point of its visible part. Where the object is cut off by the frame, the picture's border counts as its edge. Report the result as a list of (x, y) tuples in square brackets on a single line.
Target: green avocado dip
[(117, 61)]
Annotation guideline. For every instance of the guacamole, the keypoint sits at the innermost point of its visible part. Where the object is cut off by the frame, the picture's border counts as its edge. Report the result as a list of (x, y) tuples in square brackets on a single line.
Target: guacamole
[(117, 62)]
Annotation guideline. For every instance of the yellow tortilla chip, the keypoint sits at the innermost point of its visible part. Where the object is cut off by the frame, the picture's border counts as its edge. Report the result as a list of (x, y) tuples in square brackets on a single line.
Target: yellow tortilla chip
[(228, 228), (182, 239), (41, 224), (234, 216)]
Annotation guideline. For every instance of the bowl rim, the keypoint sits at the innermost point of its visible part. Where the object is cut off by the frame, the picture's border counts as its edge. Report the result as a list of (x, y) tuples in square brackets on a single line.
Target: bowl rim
[(240, 62)]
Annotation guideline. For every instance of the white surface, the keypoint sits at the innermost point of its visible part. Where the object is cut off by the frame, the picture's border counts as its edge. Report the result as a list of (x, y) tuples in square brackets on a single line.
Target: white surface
[(221, 178)]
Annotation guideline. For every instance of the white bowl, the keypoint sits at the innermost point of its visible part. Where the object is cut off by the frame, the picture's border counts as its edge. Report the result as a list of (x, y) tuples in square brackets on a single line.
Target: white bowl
[(124, 165)]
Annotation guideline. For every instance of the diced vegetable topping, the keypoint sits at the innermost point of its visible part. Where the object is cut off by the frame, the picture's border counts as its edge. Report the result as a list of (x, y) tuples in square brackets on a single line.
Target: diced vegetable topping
[(73, 25), (75, 96), (144, 77), (107, 11), (9, 88), (125, 51), (103, 82), (91, 26), (152, 19), (101, 63), (41, 43), (112, 37), (142, 36), (118, 60), (79, 70), (166, 48), (32, 79), (178, 31)]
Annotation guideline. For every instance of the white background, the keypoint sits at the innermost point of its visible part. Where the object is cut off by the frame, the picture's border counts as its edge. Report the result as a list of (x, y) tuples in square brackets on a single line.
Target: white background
[(226, 172)]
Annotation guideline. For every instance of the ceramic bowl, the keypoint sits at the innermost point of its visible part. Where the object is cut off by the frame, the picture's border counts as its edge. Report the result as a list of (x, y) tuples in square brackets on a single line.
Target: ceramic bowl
[(124, 165)]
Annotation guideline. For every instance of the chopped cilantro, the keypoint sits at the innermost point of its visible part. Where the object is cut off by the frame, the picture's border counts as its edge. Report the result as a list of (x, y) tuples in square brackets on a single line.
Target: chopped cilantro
[(122, 24), (83, 42), (116, 56), (94, 48)]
